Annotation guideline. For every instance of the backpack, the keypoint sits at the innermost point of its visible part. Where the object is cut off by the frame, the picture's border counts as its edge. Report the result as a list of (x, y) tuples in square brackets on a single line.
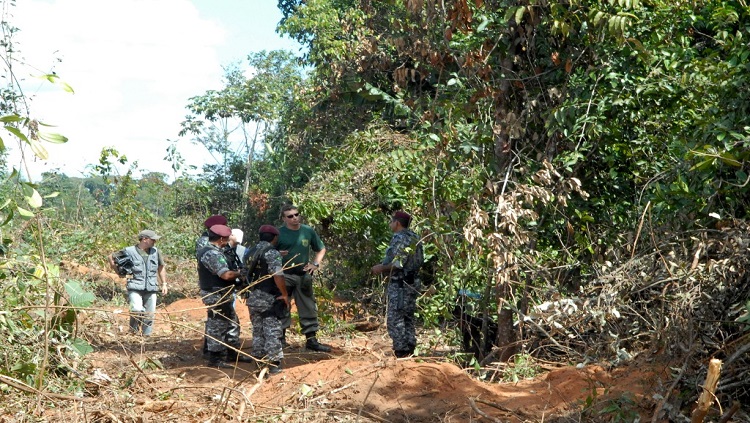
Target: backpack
[(255, 265)]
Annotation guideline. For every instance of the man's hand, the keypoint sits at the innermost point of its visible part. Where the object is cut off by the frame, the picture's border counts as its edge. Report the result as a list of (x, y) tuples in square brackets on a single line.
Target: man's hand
[(378, 269), (310, 268), (285, 299), (164, 289)]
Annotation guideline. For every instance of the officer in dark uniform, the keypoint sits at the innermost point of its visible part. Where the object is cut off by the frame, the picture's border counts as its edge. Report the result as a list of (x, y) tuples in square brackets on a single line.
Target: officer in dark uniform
[(268, 300), (217, 283), (402, 261)]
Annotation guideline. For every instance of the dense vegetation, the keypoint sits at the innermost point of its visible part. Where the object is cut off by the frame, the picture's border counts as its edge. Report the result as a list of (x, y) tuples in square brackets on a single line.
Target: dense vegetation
[(537, 143)]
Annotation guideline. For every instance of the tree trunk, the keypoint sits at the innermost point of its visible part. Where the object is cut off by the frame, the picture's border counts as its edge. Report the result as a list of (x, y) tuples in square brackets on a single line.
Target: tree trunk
[(506, 336), (249, 167)]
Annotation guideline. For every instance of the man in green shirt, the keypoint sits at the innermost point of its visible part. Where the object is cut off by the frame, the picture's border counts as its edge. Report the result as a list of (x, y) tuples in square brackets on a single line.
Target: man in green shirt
[(296, 242)]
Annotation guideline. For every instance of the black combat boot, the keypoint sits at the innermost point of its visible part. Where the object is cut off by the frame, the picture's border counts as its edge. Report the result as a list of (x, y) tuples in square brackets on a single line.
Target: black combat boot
[(216, 359), (313, 344), (238, 357), (274, 368)]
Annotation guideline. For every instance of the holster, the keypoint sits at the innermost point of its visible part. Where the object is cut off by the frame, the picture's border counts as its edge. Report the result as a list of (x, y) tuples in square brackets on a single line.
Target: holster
[(277, 309)]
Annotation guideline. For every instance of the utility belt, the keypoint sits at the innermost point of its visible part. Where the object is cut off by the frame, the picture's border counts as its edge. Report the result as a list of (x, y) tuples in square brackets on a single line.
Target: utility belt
[(275, 292), (402, 278), (297, 270)]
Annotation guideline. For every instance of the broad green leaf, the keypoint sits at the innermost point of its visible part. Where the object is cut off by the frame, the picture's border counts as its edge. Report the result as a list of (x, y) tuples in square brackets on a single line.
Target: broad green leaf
[(51, 77), (23, 212), (730, 160), (483, 25), (8, 218), (34, 200), (27, 189), (78, 296), (11, 118), (5, 204), (598, 17), (53, 195), (39, 149), (81, 347), (519, 14), (703, 165), (53, 138), (15, 131)]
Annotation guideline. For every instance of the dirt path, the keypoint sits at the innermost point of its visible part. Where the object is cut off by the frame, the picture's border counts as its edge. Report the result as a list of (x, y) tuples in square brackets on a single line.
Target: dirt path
[(163, 378)]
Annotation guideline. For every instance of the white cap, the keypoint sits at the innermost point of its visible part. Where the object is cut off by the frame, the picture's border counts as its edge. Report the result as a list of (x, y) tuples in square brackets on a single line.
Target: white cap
[(238, 234)]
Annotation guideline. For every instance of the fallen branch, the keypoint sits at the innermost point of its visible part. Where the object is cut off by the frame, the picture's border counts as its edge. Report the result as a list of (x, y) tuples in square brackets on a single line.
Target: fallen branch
[(728, 415), (348, 385), (482, 413), (26, 388), (364, 401)]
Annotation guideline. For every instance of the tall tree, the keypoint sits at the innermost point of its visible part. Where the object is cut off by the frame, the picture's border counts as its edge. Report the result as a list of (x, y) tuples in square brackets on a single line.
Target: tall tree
[(245, 110)]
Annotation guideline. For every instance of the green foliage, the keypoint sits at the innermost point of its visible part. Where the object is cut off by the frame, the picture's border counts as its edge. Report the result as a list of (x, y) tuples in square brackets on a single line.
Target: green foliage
[(523, 367), (452, 113), (619, 409)]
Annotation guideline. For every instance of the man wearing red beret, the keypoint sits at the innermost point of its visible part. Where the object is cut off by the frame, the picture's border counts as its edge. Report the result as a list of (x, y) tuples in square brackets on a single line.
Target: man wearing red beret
[(217, 284), (267, 300), (402, 261), (202, 241)]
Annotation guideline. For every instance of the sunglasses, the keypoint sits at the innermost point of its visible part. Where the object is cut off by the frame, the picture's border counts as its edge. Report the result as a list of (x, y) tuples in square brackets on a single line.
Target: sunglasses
[(289, 216)]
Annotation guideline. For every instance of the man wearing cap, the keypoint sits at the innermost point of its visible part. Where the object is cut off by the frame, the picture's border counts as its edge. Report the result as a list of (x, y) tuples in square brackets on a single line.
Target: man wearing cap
[(296, 241), (147, 272), (403, 258), (202, 241), (217, 292), (267, 300)]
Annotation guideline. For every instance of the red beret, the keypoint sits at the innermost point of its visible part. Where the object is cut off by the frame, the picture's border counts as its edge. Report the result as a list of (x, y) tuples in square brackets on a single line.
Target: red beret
[(268, 229), (215, 220), (402, 215), (221, 230)]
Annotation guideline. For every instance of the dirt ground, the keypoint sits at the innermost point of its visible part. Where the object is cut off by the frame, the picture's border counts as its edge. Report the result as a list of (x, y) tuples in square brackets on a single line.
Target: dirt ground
[(164, 378)]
